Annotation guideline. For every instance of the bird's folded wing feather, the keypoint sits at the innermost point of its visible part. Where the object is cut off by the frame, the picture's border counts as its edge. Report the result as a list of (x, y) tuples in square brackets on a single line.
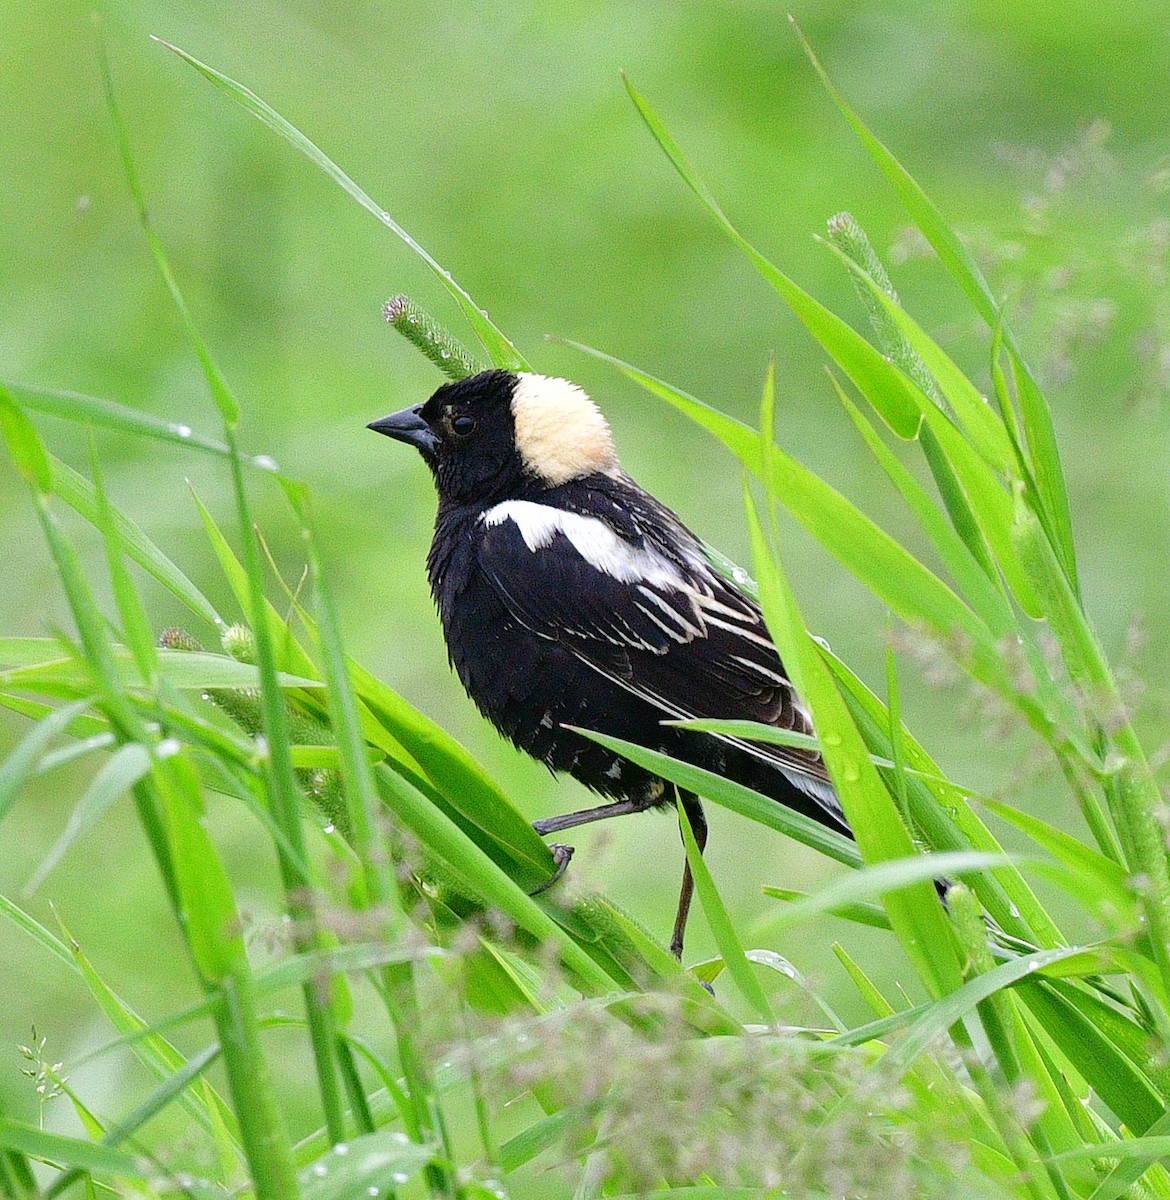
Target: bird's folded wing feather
[(660, 625)]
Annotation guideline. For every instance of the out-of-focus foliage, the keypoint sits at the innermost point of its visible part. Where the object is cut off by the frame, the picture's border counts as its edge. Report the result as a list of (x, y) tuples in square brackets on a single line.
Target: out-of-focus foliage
[(500, 136)]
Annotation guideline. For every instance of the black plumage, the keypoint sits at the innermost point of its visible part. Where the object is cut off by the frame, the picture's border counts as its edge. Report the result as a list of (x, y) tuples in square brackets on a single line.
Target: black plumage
[(571, 597)]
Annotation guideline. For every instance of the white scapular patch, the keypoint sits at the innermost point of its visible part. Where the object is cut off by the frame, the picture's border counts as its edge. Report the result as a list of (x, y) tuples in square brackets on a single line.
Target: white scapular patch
[(597, 544), (560, 432)]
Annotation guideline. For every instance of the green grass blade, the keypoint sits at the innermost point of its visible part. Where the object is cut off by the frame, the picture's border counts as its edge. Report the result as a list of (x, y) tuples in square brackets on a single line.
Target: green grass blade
[(224, 401), (861, 913), (940, 1015), (961, 265), (722, 930), (979, 420), (121, 771), (942, 811), (162, 1096), (92, 410), (1105, 885), (136, 628), (187, 669), (21, 763), (157, 1055), (914, 911), (64, 1151), (1109, 1051), (891, 391), (500, 349), (735, 796), (889, 876), (1046, 465), (1127, 1171), (357, 775), (442, 836), (81, 496), (365, 1166), (24, 447), (980, 590)]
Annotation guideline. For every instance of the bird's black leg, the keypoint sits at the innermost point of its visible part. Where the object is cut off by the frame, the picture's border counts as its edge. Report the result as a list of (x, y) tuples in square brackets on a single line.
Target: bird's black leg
[(694, 810), (618, 808), (561, 853)]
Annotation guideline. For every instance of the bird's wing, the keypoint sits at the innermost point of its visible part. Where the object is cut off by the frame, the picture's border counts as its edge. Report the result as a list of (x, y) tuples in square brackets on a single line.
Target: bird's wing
[(666, 628)]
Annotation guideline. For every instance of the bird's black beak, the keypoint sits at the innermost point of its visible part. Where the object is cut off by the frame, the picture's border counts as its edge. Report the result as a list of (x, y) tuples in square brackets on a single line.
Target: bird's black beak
[(408, 426)]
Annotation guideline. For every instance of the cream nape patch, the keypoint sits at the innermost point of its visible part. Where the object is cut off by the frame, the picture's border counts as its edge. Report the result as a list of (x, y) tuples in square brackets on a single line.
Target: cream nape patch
[(560, 432)]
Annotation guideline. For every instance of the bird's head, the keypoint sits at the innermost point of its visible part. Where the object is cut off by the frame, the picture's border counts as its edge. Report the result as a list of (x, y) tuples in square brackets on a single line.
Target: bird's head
[(499, 434)]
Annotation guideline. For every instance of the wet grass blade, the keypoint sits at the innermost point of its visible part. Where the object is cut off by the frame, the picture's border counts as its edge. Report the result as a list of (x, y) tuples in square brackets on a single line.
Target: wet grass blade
[(503, 353), (914, 911)]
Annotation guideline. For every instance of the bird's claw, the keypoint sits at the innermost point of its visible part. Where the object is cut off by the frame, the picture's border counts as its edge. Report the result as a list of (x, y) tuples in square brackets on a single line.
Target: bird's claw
[(561, 855)]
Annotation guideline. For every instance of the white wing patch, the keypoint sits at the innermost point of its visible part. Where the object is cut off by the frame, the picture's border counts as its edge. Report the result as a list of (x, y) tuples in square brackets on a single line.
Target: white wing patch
[(597, 544)]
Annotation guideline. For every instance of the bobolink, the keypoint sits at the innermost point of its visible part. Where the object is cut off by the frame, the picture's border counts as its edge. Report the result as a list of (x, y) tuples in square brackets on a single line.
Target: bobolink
[(571, 597)]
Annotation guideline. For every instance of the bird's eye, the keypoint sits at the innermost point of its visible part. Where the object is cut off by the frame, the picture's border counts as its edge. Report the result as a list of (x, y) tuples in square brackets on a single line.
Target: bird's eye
[(463, 425)]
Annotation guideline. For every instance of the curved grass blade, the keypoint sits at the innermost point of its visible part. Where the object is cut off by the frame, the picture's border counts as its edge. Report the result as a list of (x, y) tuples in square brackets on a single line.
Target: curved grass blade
[(980, 421), (502, 352), (940, 1015), (891, 390), (891, 875), (121, 771), (1104, 883), (445, 839), (91, 410), (21, 763), (1109, 1051), (980, 591), (190, 669), (81, 496), (962, 267)]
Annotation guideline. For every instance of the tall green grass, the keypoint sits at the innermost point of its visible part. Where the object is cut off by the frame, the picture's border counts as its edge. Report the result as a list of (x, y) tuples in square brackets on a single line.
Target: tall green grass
[(1031, 1066)]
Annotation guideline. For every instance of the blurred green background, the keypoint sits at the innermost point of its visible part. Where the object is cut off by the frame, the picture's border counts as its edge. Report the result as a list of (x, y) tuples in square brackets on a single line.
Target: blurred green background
[(500, 136)]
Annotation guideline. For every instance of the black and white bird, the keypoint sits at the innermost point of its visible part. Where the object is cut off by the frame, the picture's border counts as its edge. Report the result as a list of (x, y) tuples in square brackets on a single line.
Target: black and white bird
[(569, 596)]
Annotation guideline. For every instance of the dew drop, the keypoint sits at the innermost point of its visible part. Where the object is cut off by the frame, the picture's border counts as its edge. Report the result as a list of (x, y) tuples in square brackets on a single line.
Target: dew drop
[(1013, 911), (444, 353), (401, 1137), (399, 1177), (331, 828), (320, 1170), (204, 695), (265, 462), (341, 1148), (183, 431), (371, 1190), (168, 747)]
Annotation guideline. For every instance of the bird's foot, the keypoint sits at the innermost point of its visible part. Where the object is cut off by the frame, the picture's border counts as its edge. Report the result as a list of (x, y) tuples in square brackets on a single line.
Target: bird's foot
[(561, 856)]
